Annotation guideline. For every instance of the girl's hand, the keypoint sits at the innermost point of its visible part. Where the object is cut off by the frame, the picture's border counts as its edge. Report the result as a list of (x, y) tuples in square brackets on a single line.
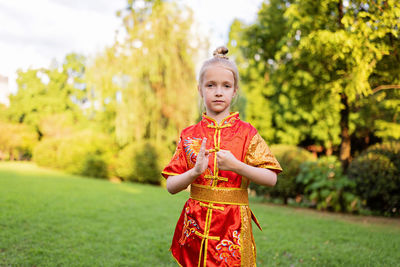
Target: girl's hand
[(227, 161), (202, 159)]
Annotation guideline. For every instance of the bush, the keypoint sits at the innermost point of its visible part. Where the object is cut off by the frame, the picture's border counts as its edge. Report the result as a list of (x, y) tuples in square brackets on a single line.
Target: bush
[(138, 163), (290, 158), (95, 166), (123, 164), (16, 141), (326, 187), (376, 171), (146, 164), (45, 152), (84, 153)]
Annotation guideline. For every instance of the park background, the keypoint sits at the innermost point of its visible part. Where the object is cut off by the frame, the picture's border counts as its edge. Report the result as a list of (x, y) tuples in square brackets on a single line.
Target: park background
[(320, 81)]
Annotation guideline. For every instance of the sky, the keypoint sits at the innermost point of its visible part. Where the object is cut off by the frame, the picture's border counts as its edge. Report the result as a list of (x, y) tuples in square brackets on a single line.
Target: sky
[(33, 33)]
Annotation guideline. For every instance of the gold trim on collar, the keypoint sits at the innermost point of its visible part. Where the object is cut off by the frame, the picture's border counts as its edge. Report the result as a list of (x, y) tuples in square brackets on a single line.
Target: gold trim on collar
[(223, 120)]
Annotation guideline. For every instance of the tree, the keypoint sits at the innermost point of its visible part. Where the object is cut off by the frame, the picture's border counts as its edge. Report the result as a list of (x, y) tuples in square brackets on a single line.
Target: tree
[(159, 62), (326, 60), (144, 87), (149, 77), (45, 92)]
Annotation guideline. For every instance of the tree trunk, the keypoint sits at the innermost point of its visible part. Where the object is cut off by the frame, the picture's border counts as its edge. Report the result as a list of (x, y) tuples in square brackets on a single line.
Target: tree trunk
[(345, 145)]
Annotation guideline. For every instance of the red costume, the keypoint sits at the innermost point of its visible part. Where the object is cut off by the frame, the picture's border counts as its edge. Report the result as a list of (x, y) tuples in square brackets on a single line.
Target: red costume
[(214, 228)]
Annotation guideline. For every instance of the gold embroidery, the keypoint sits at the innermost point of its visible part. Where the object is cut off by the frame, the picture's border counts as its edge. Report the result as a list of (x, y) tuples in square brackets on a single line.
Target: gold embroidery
[(247, 246), (211, 206), (220, 187), (207, 232), (170, 173), (207, 236), (216, 178), (259, 155), (202, 246), (213, 194), (227, 119), (245, 182), (219, 195)]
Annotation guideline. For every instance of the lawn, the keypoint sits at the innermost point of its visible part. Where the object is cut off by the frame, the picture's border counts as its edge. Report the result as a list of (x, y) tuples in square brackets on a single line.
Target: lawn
[(48, 218)]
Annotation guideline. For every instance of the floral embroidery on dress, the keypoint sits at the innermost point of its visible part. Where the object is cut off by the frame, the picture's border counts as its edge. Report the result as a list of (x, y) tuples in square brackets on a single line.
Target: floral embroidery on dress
[(229, 251), (190, 226), (231, 120), (176, 153), (192, 148)]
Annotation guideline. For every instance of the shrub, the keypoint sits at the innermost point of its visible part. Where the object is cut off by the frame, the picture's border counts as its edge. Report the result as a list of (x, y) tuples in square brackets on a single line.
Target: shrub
[(123, 164), (326, 187), (95, 166), (376, 171), (16, 141), (290, 158), (45, 152), (146, 164), (84, 153), (139, 163)]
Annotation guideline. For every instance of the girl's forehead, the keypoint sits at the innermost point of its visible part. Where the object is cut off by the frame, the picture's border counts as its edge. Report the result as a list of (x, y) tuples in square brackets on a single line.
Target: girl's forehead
[(218, 70)]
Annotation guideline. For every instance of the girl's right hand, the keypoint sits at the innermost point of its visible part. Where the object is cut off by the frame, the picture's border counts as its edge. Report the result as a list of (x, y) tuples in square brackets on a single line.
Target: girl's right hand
[(202, 158)]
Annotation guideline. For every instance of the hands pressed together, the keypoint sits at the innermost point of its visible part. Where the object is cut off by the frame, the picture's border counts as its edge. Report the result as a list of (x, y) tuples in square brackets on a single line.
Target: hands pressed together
[(225, 159), (202, 158)]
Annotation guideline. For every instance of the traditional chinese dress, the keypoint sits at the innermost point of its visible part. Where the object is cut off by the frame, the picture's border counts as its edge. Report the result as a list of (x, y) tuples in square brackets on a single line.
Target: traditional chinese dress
[(214, 228)]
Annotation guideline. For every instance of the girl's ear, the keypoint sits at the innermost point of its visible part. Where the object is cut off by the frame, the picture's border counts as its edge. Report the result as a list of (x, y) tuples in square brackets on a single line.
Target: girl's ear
[(235, 92), (200, 91)]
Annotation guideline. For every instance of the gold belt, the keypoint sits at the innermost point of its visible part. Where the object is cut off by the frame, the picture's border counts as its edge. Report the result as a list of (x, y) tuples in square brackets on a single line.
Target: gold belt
[(220, 195)]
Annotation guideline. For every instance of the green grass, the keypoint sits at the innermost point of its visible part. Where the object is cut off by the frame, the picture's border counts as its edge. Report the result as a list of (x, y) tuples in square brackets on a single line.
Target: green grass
[(48, 218)]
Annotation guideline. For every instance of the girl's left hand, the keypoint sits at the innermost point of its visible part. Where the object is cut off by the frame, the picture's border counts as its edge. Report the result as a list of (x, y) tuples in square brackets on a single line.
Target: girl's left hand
[(226, 160)]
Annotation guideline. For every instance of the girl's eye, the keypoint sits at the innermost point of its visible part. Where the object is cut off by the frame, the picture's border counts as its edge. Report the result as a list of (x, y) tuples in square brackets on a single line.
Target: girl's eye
[(209, 85), (227, 86)]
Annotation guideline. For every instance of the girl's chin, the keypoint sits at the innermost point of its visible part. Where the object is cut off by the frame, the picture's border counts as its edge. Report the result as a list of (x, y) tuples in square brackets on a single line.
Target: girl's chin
[(218, 107), (216, 111)]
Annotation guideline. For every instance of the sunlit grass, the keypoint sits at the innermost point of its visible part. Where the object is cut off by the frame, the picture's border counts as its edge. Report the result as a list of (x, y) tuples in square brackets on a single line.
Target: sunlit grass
[(49, 218)]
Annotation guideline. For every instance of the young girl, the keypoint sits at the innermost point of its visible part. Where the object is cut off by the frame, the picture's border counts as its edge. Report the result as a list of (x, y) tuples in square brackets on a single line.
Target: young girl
[(218, 157)]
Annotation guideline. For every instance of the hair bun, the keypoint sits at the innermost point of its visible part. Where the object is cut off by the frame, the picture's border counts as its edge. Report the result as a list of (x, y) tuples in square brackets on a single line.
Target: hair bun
[(221, 52)]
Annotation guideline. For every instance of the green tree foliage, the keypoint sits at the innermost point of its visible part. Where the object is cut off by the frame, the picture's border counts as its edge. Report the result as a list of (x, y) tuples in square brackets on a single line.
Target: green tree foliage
[(317, 65), (45, 92), (102, 90), (161, 88), (144, 87)]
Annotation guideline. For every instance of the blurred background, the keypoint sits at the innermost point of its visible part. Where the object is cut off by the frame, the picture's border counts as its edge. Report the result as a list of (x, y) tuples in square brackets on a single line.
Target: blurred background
[(103, 89)]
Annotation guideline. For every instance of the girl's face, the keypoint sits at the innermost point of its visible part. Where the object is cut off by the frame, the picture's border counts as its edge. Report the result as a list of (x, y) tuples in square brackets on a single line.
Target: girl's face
[(217, 90)]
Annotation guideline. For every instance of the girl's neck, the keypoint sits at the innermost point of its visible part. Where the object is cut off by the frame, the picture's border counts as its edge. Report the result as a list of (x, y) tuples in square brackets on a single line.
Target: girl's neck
[(218, 117)]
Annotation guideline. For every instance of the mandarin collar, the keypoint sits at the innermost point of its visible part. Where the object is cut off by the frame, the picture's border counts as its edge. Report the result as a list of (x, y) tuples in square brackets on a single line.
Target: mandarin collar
[(230, 119)]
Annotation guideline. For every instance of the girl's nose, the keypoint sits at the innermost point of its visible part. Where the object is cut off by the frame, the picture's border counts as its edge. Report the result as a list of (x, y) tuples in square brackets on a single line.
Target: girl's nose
[(218, 91)]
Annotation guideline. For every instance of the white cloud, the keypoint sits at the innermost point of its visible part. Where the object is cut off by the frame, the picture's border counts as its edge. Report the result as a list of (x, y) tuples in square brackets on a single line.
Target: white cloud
[(35, 32), (218, 15), (32, 33)]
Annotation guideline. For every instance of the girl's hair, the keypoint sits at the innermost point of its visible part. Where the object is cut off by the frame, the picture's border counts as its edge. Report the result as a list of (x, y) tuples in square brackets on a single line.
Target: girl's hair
[(220, 58)]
